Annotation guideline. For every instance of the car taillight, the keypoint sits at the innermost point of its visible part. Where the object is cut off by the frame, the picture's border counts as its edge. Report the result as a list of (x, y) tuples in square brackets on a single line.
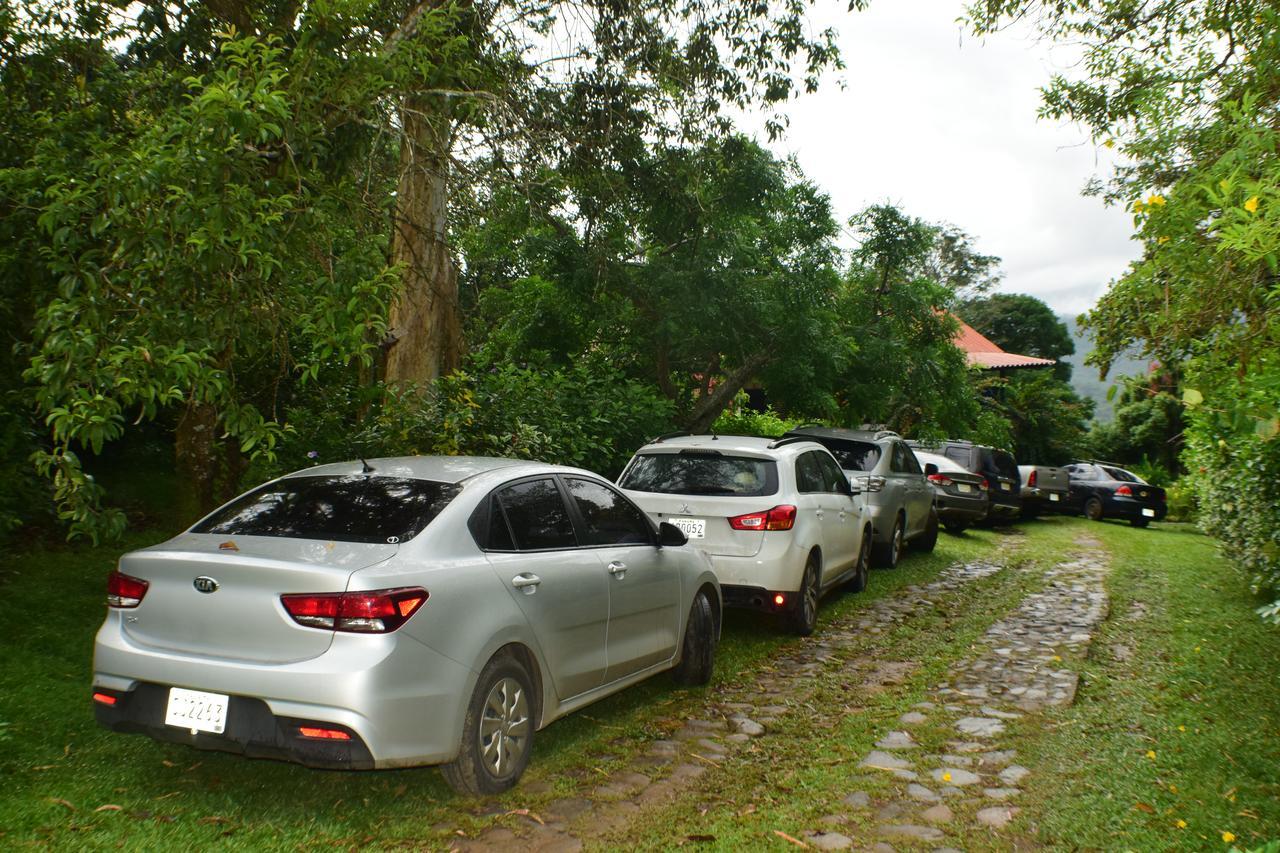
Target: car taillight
[(940, 479), (781, 517), (323, 734), (1031, 481), (378, 611), (125, 591), (1125, 490), (986, 484), (875, 483)]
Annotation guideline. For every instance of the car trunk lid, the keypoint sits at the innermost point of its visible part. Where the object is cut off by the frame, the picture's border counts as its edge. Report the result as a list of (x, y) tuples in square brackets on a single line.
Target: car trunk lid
[(234, 611), (718, 538)]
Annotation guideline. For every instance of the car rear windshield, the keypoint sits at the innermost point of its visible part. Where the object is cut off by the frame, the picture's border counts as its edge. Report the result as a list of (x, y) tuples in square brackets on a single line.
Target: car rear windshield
[(1004, 464), (943, 463), (1123, 476), (855, 455), (701, 474), (351, 508)]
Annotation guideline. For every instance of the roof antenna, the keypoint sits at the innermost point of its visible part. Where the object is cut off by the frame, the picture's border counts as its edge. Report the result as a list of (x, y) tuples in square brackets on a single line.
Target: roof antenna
[(365, 467)]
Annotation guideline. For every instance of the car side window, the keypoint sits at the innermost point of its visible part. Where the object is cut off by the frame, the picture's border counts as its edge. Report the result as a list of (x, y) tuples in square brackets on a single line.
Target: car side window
[(833, 479), (909, 460), (537, 515), (899, 463), (609, 518), (959, 455), (809, 473)]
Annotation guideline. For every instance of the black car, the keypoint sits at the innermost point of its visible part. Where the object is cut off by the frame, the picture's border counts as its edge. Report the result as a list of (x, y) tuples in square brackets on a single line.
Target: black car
[(996, 466), (1100, 490), (961, 497)]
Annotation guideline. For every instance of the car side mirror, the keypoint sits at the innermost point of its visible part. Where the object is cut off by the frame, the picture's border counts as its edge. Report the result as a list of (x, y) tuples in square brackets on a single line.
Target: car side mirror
[(855, 486), (669, 534), (930, 469)]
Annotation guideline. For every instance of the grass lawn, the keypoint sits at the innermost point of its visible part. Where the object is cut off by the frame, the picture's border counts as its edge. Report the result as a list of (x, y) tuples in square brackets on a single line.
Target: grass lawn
[(1193, 656)]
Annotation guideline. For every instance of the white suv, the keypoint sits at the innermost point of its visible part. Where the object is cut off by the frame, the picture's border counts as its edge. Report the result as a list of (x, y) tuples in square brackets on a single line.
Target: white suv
[(778, 518)]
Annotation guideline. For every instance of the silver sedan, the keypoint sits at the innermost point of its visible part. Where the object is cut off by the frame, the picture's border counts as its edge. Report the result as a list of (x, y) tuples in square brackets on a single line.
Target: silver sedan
[(397, 612)]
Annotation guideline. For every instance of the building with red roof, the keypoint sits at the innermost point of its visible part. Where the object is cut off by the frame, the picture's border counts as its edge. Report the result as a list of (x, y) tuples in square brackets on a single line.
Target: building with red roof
[(983, 353)]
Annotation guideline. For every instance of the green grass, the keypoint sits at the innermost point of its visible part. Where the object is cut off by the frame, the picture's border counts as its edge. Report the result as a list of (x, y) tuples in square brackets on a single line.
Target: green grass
[(1199, 659), (58, 768), (1200, 689)]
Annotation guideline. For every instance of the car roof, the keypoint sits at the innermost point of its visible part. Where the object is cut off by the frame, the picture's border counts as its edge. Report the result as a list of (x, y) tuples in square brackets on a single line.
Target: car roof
[(820, 432), (749, 444), (444, 469)]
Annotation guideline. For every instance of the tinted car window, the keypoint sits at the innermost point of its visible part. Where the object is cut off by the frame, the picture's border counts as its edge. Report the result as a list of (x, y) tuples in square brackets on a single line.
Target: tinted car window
[(909, 459), (1123, 476), (701, 474), (857, 455), (348, 508), (1004, 464), (610, 519), (833, 479), (959, 454), (537, 515), (943, 463), (809, 473)]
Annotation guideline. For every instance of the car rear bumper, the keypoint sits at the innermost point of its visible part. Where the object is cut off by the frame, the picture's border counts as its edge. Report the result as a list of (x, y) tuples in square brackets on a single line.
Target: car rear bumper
[(1129, 508), (758, 599), (1044, 498), (401, 701)]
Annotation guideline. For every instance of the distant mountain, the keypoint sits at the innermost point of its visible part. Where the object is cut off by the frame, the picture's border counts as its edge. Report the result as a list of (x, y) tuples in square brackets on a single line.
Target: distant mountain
[(1084, 378)]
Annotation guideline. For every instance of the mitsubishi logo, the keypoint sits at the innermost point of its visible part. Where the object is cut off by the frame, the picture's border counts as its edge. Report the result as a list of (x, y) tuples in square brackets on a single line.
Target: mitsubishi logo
[(684, 509), (205, 584)]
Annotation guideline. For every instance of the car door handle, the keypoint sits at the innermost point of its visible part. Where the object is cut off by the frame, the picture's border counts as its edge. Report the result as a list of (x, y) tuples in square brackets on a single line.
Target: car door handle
[(526, 581), (617, 568)]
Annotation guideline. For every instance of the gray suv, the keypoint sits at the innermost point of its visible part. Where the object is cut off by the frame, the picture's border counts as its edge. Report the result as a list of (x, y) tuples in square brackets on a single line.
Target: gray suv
[(898, 493)]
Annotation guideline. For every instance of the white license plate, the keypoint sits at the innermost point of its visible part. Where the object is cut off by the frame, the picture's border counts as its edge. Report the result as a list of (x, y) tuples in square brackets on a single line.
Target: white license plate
[(1149, 513), (196, 710), (1054, 497), (1007, 487), (694, 528), (964, 487)]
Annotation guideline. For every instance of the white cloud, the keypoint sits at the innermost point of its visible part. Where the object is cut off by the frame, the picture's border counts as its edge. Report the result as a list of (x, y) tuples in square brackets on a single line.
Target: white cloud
[(946, 126)]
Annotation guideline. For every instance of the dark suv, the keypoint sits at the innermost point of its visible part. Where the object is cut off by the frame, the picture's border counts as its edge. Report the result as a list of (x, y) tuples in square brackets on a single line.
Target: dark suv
[(996, 466)]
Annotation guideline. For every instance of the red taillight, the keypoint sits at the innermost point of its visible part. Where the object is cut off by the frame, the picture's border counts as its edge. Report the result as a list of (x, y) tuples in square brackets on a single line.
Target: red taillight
[(1031, 481), (1125, 491), (782, 517), (986, 484), (105, 698), (940, 479), (125, 590), (323, 734), (374, 612), (779, 599)]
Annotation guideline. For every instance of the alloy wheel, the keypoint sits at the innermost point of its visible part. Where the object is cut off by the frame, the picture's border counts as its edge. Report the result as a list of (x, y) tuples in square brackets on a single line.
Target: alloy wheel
[(504, 726)]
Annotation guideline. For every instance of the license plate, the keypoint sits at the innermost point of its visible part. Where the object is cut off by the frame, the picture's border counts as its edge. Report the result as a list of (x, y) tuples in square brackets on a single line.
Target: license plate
[(196, 710), (1149, 513), (694, 528), (1054, 497), (1007, 487), (964, 487)]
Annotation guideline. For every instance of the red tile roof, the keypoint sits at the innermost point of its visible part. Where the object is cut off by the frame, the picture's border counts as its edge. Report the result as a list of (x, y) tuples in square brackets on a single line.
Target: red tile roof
[(982, 352)]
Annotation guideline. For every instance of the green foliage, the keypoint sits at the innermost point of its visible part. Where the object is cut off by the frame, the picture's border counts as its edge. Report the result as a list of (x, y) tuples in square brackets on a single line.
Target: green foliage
[(1147, 428), (1048, 420), (740, 420)]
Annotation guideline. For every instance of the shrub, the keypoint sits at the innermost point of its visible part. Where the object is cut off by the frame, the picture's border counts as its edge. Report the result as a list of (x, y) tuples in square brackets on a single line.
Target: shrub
[(739, 420)]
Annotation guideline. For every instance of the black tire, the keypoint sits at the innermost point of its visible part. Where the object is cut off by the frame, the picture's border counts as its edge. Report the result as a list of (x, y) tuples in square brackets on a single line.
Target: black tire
[(1140, 522), (698, 651), (887, 554), (863, 572), (803, 617), (1093, 508), (955, 527), (927, 541), (1030, 513), (502, 702)]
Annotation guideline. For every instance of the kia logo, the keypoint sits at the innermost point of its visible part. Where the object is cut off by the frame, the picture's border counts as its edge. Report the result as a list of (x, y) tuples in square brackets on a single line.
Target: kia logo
[(205, 584)]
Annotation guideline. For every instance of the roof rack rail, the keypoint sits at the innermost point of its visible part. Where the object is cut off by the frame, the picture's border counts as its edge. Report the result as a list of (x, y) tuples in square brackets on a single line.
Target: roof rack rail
[(668, 435), (788, 440)]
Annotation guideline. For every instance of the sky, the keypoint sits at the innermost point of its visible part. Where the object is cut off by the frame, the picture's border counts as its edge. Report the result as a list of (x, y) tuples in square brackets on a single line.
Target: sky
[(944, 125)]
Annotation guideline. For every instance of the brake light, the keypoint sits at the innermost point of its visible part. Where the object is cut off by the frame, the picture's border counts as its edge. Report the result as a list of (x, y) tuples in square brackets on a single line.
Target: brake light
[(940, 479), (1031, 481), (874, 483), (374, 612), (1125, 490), (125, 591), (781, 517), (104, 699), (323, 734), (986, 484)]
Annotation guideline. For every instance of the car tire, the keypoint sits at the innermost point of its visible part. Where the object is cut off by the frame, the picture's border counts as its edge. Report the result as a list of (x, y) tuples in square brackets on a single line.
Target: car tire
[(698, 651), (887, 554), (1140, 522), (862, 573), (1030, 513), (803, 617), (928, 540), (503, 704), (955, 527), (1093, 508)]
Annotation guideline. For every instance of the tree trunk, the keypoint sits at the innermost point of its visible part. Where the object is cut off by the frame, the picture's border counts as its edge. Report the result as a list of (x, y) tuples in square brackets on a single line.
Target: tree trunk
[(425, 323), (195, 446), (709, 406)]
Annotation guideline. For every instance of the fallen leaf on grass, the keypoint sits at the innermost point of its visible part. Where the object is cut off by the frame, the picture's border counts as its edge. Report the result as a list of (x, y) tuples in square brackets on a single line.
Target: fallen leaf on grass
[(109, 807), (700, 837), (785, 837), (167, 763), (212, 819), (168, 795), (528, 814), (44, 767), (704, 758), (1145, 807), (748, 810), (400, 789), (58, 801)]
